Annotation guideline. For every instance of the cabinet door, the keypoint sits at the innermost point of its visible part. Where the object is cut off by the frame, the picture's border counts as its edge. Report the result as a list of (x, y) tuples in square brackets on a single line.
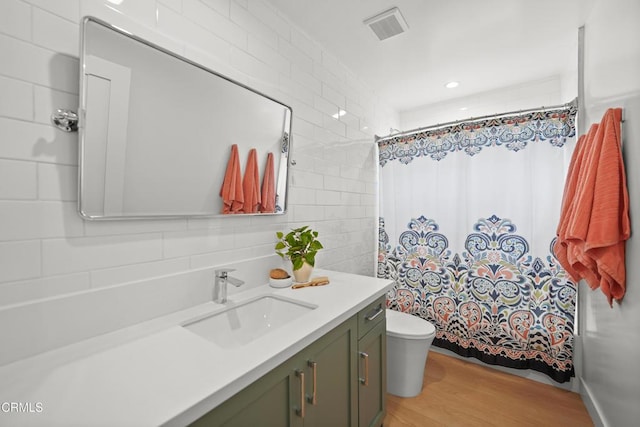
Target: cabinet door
[(273, 401), (331, 378), (372, 351)]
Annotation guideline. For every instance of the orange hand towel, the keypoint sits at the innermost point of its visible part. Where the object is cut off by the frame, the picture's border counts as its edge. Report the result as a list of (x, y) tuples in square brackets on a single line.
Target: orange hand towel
[(609, 221), (572, 258), (251, 183), (561, 246), (609, 225), (231, 190), (268, 204)]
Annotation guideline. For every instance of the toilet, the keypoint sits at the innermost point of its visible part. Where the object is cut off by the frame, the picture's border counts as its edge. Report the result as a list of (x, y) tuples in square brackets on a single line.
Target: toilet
[(408, 341)]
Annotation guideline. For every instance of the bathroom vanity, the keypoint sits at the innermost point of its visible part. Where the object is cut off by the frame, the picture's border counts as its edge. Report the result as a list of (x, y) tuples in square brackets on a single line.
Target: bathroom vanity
[(326, 366), (339, 380)]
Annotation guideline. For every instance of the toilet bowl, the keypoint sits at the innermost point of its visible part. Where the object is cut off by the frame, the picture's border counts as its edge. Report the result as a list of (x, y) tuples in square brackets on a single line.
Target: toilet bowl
[(408, 341)]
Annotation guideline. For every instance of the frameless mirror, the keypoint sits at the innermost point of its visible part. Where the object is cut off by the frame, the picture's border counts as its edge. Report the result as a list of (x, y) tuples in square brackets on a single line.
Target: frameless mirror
[(156, 131)]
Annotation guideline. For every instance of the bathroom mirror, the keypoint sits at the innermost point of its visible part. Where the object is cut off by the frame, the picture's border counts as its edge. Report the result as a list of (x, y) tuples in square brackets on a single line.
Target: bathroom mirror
[(156, 131)]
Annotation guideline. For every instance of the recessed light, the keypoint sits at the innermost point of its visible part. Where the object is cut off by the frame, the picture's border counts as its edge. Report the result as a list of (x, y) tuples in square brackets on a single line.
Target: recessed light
[(463, 108), (451, 85)]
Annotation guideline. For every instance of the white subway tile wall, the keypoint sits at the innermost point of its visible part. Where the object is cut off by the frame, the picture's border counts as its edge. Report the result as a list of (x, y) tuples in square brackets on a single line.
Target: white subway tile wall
[(18, 180), (15, 19), (17, 99), (46, 249)]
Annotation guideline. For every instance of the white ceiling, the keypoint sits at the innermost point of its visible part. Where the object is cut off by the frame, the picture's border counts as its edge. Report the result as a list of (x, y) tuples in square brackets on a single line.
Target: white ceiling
[(483, 44)]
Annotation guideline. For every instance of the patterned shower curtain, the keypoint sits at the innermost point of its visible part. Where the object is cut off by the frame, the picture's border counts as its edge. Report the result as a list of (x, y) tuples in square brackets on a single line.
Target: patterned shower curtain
[(468, 216)]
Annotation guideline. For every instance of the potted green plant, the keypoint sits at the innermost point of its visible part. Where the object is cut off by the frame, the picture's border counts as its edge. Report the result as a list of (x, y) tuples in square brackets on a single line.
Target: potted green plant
[(300, 246)]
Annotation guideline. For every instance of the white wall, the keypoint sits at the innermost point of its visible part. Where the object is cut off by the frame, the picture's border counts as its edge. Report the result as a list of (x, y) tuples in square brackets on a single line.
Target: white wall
[(611, 336), (47, 250)]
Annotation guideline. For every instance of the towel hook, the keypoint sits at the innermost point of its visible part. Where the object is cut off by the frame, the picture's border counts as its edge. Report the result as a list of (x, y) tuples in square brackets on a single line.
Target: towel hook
[(65, 120)]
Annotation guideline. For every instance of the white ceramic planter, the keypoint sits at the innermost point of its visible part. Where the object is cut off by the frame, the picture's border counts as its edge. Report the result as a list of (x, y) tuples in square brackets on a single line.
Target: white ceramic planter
[(303, 273)]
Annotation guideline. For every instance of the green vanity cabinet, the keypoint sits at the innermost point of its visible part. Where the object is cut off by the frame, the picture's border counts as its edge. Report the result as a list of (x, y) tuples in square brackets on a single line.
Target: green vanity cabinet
[(271, 401), (372, 351), (320, 386), (332, 384)]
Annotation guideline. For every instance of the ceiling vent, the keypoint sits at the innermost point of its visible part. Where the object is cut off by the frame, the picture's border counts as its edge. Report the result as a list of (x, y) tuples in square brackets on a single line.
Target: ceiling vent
[(387, 24)]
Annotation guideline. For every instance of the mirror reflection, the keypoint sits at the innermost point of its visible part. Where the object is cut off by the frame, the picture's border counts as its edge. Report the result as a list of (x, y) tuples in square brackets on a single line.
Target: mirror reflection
[(161, 136)]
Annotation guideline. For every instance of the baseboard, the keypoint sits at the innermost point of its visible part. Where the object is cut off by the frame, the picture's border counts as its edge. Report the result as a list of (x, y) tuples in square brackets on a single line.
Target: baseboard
[(592, 406)]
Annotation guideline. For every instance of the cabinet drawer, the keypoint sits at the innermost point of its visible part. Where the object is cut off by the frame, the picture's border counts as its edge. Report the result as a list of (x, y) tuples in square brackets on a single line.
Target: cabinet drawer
[(371, 315)]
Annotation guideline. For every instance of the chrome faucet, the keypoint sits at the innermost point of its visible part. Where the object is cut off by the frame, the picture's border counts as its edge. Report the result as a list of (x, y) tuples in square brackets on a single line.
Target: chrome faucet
[(220, 284)]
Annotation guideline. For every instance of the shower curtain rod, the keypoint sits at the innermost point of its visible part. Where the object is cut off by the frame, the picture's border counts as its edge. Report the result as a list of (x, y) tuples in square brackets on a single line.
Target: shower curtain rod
[(379, 139)]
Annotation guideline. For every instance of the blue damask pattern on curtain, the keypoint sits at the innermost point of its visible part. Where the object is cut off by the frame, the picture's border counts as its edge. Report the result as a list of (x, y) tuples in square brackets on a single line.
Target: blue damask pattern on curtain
[(493, 302), (492, 298), (513, 132)]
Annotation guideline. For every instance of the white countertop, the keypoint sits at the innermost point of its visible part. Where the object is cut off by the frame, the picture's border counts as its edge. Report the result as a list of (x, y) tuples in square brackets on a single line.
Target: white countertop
[(159, 373)]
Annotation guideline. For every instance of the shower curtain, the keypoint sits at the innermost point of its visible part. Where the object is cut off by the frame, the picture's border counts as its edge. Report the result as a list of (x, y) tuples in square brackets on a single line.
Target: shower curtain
[(468, 216)]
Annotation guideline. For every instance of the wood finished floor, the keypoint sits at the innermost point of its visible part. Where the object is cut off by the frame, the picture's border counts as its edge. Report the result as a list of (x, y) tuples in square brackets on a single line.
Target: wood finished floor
[(460, 393)]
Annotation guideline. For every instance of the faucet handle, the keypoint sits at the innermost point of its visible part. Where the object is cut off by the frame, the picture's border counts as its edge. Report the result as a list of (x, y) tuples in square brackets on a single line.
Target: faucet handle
[(222, 272)]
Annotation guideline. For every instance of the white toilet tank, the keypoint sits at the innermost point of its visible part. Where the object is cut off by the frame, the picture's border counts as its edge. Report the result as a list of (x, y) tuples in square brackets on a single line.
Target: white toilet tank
[(408, 341)]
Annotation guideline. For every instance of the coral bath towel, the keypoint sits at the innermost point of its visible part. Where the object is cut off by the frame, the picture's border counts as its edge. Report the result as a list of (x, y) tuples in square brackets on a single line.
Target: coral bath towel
[(568, 251), (595, 226), (268, 187), (251, 183), (231, 190)]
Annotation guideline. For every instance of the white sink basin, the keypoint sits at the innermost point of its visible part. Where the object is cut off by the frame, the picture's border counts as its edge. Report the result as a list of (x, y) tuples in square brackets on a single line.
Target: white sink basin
[(248, 320)]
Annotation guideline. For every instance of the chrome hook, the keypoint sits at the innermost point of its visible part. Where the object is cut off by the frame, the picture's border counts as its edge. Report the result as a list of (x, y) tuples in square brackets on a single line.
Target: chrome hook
[(66, 120)]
